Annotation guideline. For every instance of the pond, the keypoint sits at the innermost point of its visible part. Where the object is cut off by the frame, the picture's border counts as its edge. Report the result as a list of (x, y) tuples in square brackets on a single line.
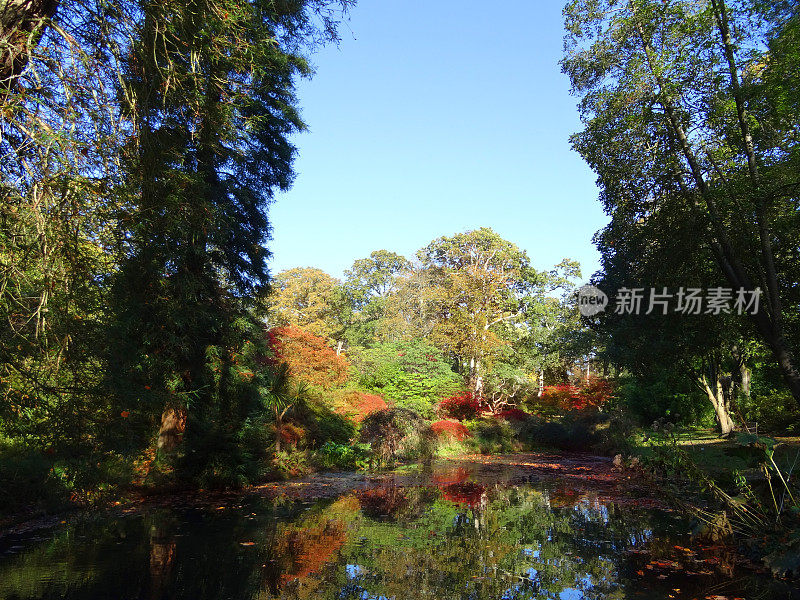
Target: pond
[(458, 531)]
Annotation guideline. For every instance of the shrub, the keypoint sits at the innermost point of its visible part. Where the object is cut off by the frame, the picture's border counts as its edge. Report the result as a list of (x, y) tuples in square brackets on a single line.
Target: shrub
[(366, 405), (663, 395), (513, 414), (291, 464), (550, 434), (596, 394), (27, 480), (410, 374), (577, 431), (452, 429), (291, 434), (397, 434), (493, 437), (461, 407), (322, 424), (341, 456), (357, 405), (558, 399)]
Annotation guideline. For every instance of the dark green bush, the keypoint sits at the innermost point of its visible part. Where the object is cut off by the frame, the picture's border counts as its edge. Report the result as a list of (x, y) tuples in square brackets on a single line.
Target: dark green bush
[(397, 434), (28, 481), (669, 396), (323, 424), (550, 434), (578, 431), (492, 436)]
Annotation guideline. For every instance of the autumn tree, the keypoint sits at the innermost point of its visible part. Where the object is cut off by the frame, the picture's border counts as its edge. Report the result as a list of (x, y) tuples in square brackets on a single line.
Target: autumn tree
[(307, 298), (308, 356)]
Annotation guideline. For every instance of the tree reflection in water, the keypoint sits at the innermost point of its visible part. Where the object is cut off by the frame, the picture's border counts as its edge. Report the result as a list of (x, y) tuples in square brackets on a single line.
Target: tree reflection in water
[(452, 537)]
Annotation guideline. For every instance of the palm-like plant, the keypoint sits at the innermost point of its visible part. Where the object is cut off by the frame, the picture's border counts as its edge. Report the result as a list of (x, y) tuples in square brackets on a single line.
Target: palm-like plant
[(279, 394)]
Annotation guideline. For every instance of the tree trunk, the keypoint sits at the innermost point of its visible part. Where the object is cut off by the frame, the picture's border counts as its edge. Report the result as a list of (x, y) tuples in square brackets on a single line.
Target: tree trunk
[(716, 395), (170, 434), (278, 425)]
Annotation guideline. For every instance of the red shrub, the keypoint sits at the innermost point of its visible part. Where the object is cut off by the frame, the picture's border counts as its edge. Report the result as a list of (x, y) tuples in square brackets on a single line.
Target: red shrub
[(561, 398), (366, 405), (465, 406), (598, 392), (512, 414), (454, 429)]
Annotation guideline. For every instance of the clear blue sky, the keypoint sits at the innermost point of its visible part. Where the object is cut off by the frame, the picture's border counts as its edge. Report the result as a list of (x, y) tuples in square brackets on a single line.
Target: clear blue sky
[(436, 117)]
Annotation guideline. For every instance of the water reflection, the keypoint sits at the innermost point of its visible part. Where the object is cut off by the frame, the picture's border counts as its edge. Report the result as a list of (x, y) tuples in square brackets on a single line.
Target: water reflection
[(452, 537)]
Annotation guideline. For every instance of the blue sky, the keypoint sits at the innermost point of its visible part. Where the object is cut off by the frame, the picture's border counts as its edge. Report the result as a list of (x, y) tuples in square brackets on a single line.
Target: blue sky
[(432, 118)]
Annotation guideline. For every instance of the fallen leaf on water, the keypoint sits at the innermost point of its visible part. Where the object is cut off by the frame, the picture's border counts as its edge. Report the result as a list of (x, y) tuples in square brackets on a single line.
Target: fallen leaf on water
[(247, 543)]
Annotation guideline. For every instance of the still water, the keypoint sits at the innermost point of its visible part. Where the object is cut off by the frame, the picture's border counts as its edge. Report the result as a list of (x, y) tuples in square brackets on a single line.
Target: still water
[(451, 534)]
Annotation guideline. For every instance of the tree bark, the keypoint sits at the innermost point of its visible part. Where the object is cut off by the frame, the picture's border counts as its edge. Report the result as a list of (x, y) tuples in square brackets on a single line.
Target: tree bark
[(173, 423)]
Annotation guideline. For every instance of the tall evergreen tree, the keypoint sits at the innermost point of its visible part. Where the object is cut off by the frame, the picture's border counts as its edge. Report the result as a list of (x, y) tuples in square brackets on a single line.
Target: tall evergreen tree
[(211, 95)]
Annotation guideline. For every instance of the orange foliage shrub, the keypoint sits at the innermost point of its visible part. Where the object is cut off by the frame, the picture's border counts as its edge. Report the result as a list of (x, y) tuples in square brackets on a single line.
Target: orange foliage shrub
[(291, 434), (368, 404), (358, 405), (309, 357), (565, 397), (453, 429)]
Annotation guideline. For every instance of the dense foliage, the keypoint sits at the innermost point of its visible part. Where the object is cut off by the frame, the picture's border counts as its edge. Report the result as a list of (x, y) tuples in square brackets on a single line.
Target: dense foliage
[(142, 143)]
